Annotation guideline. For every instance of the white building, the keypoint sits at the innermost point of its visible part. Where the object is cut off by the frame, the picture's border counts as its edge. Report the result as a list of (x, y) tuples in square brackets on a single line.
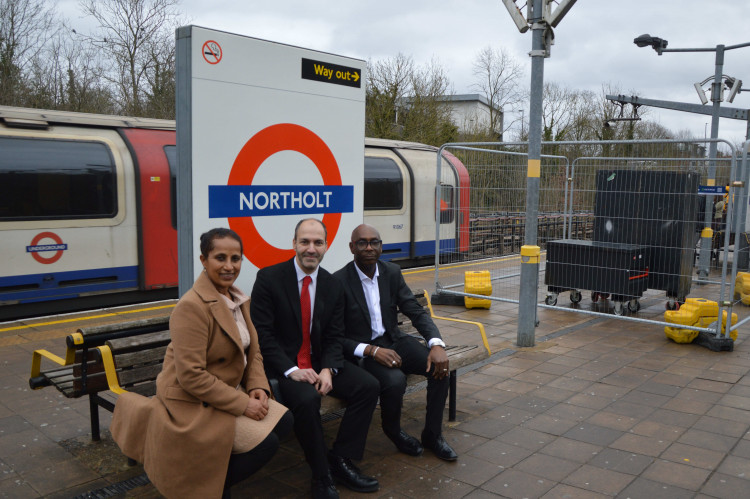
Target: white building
[(471, 113)]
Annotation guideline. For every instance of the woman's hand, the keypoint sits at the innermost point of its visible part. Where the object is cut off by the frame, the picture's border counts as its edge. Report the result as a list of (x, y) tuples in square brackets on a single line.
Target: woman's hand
[(257, 407)]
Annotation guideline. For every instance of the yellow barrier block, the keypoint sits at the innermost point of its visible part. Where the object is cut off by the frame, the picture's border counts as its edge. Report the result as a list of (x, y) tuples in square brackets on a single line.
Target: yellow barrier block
[(697, 312), (680, 335), (742, 287), (477, 282), (692, 311)]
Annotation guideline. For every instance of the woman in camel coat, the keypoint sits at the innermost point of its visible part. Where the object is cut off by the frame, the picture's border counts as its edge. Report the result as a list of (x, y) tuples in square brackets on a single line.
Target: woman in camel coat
[(184, 436)]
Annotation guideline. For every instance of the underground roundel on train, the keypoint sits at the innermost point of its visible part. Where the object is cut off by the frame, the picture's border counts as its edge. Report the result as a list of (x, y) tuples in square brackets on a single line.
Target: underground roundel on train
[(241, 200)]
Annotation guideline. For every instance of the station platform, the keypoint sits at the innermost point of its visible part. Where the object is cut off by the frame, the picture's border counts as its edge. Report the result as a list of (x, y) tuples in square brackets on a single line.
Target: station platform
[(597, 408)]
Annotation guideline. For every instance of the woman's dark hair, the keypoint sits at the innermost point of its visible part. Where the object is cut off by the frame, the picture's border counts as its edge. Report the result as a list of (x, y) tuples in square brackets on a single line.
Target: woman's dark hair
[(207, 239)]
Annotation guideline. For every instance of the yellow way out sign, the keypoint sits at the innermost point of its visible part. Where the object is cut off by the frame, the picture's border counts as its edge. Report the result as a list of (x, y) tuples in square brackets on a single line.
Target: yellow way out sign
[(331, 73)]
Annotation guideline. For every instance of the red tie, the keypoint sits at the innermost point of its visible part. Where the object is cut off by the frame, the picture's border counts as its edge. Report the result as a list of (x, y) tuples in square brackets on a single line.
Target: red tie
[(303, 357)]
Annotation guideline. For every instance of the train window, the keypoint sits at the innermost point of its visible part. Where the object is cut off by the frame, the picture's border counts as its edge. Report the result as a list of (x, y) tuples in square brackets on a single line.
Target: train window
[(43, 179), (384, 186), (171, 152), (446, 204)]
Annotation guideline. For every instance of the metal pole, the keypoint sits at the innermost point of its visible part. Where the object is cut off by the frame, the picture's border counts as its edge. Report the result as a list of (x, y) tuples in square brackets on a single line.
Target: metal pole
[(707, 233), (530, 251)]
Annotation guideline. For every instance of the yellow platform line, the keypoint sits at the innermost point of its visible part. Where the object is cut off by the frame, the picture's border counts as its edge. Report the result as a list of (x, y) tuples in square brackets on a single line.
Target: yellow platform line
[(459, 265), (86, 318)]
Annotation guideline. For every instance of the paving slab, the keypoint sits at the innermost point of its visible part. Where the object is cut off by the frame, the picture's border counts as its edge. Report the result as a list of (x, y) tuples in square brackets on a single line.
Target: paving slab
[(597, 408)]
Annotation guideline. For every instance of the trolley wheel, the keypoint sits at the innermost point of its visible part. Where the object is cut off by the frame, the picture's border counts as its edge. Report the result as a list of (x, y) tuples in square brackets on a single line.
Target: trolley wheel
[(672, 304), (619, 308), (595, 296), (551, 300), (605, 296), (634, 305), (575, 296)]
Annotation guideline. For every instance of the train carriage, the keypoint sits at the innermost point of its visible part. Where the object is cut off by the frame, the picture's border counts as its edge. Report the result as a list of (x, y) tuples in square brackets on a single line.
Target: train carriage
[(87, 206)]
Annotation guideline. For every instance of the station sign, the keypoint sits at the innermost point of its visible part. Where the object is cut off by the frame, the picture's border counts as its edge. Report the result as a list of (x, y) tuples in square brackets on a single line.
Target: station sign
[(267, 134)]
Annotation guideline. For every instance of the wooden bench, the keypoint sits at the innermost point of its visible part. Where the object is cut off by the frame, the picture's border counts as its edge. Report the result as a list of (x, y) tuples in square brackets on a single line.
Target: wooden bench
[(104, 361), (133, 350)]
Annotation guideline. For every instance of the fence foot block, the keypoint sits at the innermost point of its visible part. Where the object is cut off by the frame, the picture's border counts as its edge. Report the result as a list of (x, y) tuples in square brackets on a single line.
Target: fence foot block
[(447, 299), (713, 343)]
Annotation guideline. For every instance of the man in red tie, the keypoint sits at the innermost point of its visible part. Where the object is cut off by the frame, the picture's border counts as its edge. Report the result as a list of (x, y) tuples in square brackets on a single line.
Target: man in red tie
[(297, 308)]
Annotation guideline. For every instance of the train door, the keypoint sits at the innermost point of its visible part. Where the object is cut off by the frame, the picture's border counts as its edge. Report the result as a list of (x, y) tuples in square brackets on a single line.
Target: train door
[(423, 166), (157, 230), (387, 207)]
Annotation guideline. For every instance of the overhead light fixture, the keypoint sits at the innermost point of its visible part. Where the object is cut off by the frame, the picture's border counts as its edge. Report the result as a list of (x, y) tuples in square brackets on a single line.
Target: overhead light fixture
[(562, 9), (701, 93), (734, 85), (515, 13), (654, 42)]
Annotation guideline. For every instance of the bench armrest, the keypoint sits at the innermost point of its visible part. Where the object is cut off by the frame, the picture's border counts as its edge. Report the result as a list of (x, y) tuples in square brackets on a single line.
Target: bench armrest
[(36, 363), (109, 369), (478, 324)]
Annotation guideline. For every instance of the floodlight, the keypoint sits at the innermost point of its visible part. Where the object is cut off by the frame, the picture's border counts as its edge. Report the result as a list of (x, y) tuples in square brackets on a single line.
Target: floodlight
[(562, 9), (701, 93), (654, 42), (515, 13), (734, 84)]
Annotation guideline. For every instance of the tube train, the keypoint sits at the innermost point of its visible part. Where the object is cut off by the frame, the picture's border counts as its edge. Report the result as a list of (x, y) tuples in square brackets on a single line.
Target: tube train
[(87, 206)]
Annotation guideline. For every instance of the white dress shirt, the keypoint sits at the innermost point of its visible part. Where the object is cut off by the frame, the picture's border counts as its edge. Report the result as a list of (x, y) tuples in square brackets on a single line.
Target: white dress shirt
[(372, 297)]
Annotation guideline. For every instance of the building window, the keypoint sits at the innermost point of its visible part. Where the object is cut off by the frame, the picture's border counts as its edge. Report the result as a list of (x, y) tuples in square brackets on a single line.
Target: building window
[(384, 185), (42, 179)]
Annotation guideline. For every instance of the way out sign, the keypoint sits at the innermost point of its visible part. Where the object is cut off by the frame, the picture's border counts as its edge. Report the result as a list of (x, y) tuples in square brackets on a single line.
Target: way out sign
[(267, 134)]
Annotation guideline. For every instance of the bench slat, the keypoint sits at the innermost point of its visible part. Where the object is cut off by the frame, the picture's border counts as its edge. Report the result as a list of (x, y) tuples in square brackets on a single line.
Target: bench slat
[(126, 360), (139, 342), (140, 374)]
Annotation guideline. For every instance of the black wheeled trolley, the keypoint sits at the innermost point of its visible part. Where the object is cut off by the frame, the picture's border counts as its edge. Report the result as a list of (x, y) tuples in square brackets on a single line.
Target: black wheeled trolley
[(615, 270)]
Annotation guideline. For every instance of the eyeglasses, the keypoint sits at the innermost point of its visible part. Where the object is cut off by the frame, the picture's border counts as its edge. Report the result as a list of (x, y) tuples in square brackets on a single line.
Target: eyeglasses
[(373, 243)]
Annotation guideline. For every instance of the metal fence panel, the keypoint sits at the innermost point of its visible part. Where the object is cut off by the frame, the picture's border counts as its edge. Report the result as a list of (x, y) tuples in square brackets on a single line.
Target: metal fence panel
[(619, 223)]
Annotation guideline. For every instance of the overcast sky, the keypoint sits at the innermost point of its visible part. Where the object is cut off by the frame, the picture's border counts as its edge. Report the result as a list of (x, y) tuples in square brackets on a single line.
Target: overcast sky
[(593, 43)]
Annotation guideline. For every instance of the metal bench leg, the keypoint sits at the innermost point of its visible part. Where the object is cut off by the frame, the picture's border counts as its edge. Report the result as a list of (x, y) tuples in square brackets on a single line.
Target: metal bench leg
[(94, 410), (452, 397)]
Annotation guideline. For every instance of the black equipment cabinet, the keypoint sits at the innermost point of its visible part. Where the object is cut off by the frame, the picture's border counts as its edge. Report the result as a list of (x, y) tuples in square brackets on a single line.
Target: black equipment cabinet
[(653, 209), (607, 268)]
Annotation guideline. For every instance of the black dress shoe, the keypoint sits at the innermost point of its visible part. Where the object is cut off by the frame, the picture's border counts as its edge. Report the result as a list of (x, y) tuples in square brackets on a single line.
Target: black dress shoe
[(439, 446), (323, 488), (346, 473), (406, 443)]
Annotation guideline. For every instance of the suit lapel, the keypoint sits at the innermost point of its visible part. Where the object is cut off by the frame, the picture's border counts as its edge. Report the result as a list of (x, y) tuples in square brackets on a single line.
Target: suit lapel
[(291, 289), (220, 311), (355, 284), (319, 305), (385, 292)]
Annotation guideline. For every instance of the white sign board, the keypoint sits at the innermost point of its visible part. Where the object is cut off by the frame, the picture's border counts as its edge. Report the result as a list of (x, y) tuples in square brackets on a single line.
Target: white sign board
[(276, 134)]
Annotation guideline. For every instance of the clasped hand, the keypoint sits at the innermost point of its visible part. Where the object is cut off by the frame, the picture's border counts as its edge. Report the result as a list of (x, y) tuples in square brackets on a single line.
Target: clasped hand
[(257, 407), (323, 381)]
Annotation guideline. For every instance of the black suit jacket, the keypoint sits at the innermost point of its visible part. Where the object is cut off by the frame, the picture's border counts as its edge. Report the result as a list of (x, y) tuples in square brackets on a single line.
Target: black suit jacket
[(276, 314), (395, 295)]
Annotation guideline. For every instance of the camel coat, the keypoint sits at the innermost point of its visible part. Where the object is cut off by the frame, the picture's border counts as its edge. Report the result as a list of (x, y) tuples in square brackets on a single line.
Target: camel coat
[(183, 435)]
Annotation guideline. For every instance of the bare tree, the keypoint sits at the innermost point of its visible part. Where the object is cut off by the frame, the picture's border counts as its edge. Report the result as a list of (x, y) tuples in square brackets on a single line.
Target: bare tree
[(498, 75), (132, 33), (25, 28), (558, 111), (388, 84), (427, 117), (408, 102)]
